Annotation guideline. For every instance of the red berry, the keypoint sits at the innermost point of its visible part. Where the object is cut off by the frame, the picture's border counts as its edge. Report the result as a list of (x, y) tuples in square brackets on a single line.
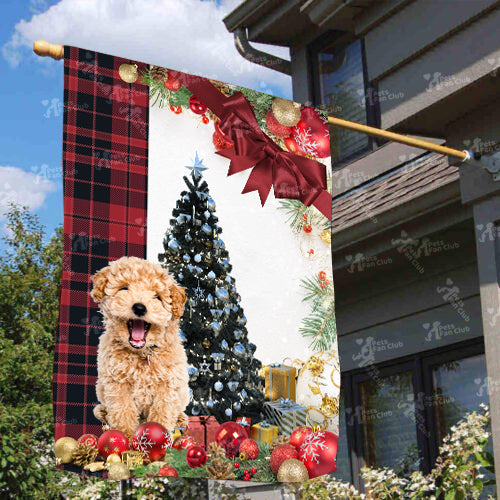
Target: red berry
[(205, 120), (327, 282), (245, 472), (304, 217), (176, 109), (237, 465), (246, 478), (253, 471), (307, 228), (322, 285), (322, 275)]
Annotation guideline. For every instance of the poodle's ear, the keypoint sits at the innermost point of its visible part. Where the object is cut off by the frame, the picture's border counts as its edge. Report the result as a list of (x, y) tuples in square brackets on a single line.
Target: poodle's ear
[(178, 300), (99, 279)]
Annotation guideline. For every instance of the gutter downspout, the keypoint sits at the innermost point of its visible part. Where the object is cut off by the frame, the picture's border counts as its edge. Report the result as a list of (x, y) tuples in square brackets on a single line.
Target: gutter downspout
[(257, 56)]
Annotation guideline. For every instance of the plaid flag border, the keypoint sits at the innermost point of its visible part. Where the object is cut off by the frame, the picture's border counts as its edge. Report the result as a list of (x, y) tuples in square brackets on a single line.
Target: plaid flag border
[(105, 168)]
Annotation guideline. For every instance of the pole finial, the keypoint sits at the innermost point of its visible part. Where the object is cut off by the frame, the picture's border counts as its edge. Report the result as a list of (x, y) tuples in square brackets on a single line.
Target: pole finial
[(46, 49)]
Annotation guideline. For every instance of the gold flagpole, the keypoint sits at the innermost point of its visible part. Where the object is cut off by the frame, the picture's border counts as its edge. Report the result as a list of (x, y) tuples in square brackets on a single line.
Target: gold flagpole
[(45, 49)]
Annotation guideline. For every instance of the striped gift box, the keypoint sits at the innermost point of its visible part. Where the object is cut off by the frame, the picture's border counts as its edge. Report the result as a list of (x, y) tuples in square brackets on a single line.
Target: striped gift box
[(286, 414)]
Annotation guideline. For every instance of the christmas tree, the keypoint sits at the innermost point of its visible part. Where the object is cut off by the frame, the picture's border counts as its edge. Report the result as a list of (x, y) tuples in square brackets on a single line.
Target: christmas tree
[(223, 371)]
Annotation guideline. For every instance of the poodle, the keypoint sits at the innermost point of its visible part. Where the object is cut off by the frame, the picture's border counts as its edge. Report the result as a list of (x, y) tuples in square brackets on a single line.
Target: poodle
[(141, 364)]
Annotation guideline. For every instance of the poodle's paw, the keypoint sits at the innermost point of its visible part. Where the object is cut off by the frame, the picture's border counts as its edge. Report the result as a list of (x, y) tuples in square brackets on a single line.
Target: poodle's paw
[(101, 413), (182, 420)]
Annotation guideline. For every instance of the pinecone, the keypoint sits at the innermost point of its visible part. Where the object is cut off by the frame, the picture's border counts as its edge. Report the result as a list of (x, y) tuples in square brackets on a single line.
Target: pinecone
[(158, 74), (279, 440), (219, 469), (216, 452), (84, 455)]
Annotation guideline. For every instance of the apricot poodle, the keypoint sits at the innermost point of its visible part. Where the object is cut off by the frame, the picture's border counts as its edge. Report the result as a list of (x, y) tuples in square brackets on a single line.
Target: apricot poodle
[(142, 366)]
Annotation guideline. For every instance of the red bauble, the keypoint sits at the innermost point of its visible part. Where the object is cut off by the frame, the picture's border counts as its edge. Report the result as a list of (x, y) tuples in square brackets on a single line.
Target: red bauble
[(230, 436), (196, 456), (220, 140), (311, 134), (281, 453), (112, 441), (176, 109), (89, 440), (298, 435), (319, 453), (322, 275), (205, 119), (152, 439), (275, 126), (183, 442), (168, 471), (196, 106), (171, 83), (292, 146), (250, 447)]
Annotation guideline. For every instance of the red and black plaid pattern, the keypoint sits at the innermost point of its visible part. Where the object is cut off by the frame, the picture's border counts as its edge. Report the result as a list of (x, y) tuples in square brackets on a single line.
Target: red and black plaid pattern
[(105, 163)]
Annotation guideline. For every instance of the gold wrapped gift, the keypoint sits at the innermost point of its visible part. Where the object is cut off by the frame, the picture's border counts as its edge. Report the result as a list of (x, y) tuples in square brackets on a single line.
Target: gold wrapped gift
[(264, 432), (280, 381)]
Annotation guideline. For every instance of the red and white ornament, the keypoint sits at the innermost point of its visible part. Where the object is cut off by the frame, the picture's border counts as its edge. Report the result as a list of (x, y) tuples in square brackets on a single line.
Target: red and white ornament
[(196, 106), (152, 439), (318, 452), (311, 134), (88, 440), (183, 442), (275, 126), (112, 441)]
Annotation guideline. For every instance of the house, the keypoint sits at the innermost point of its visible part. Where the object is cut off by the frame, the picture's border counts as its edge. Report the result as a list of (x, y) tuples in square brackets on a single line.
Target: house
[(416, 247)]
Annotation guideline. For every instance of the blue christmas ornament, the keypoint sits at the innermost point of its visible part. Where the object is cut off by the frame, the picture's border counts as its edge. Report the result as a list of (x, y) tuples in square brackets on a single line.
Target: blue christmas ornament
[(224, 345), (182, 336), (233, 385), (216, 313), (185, 198), (211, 275), (243, 393), (239, 349), (198, 270), (210, 299), (183, 218), (228, 279), (216, 326), (218, 386), (211, 204), (225, 263), (192, 372), (206, 214), (242, 320), (210, 404), (197, 258), (180, 277), (251, 348), (228, 412), (174, 245), (227, 310), (206, 229), (238, 334), (186, 258), (188, 237), (195, 410), (237, 406), (222, 294)]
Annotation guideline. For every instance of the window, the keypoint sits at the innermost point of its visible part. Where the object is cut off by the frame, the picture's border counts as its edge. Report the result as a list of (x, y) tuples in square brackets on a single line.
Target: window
[(339, 85), (397, 413)]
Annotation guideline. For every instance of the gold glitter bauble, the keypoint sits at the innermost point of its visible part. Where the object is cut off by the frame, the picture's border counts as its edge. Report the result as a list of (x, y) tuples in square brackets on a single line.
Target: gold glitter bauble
[(64, 449), (118, 471), (128, 72), (326, 237), (113, 459), (292, 471), (286, 112)]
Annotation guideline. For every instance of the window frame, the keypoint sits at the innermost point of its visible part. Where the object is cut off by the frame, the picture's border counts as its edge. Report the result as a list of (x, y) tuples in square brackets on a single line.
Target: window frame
[(420, 364), (338, 39)]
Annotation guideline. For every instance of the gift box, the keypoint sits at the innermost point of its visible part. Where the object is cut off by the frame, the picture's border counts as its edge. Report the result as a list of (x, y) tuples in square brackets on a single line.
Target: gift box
[(246, 423), (280, 381), (286, 414), (264, 432), (176, 433), (203, 429)]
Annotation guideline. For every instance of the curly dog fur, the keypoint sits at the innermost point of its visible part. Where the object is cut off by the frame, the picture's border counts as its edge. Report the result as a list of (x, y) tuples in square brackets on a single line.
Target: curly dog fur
[(142, 366)]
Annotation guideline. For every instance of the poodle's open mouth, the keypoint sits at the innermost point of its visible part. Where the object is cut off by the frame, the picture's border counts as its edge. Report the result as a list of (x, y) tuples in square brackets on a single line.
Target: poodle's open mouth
[(137, 329)]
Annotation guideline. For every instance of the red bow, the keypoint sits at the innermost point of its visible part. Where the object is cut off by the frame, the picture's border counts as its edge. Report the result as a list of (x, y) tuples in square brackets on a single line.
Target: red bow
[(291, 176)]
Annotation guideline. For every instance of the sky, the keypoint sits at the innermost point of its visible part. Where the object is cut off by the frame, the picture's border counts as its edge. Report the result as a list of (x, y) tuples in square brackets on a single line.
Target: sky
[(186, 35)]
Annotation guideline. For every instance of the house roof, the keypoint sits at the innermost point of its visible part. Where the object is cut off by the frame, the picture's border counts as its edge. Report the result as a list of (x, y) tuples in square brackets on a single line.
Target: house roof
[(400, 186)]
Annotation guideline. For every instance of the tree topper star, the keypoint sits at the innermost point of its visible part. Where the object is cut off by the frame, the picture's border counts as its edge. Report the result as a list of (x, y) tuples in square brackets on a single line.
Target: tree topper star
[(197, 167)]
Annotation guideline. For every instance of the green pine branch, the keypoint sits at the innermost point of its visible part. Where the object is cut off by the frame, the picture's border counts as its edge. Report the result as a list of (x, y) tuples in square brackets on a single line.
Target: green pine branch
[(160, 96), (295, 211)]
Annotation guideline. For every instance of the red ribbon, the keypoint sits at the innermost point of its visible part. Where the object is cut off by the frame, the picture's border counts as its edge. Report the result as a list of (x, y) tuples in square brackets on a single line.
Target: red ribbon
[(291, 176)]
